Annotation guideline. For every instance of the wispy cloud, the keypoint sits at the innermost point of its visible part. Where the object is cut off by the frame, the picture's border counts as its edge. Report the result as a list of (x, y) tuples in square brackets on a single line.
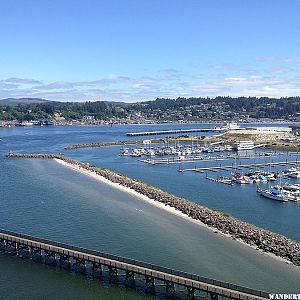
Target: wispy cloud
[(272, 79), (22, 81), (279, 59), (57, 85)]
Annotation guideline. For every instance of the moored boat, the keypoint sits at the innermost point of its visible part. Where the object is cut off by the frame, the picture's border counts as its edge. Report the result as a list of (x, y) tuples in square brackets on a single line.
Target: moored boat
[(273, 194)]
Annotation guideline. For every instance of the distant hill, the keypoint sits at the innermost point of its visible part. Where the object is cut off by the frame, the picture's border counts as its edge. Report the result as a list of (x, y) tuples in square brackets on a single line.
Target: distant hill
[(22, 101)]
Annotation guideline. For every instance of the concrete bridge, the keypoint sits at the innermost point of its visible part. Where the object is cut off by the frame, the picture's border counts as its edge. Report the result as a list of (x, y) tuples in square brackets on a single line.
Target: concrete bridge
[(119, 268)]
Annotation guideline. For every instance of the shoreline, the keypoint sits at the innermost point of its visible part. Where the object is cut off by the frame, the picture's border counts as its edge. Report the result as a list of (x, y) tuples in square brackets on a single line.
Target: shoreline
[(159, 205), (275, 244)]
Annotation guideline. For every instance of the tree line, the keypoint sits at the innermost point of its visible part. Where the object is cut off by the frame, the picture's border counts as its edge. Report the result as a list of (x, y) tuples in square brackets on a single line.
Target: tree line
[(101, 110)]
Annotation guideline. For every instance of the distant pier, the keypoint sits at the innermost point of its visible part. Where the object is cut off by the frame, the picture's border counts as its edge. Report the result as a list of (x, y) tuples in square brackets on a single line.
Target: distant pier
[(176, 131)]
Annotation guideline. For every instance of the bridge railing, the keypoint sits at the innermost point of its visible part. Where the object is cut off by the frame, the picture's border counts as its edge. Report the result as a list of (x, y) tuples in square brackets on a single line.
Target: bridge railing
[(153, 267)]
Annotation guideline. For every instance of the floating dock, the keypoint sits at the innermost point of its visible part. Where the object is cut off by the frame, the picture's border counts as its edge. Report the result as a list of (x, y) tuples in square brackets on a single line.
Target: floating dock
[(238, 167), (202, 158)]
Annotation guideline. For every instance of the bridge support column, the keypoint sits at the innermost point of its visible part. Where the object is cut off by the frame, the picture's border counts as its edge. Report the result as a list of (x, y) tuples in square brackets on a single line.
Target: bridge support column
[(191, 292), (50, 258), (23, 250), (150, 284), (2, 244), (214, 296), (64, 261), (11, 247), (96, 268), (36, 254), (170, 289), (130, 278), (113, 274), (80, 265)]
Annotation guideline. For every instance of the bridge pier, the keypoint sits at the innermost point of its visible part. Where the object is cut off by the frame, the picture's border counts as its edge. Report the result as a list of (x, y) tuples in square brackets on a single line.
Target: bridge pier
[(130, 278), (113, 274), (2, 244), (80, 266), (64, 261), (170, 289), (150, 284), (36, 254), (191, 292), (96, 268), (214, 296), (11, 247), (49, 258), (23, 250)]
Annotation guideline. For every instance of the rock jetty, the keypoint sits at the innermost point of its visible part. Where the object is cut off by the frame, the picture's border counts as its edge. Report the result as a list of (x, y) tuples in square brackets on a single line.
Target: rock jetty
[(260, 238), (104, 144)]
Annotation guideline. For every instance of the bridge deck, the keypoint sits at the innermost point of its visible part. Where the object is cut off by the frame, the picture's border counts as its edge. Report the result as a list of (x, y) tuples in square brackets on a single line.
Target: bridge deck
[(156, 272)]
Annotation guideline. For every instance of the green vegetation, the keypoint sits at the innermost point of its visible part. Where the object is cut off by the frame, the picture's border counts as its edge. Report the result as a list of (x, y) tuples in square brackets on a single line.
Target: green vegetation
[(160, 110)]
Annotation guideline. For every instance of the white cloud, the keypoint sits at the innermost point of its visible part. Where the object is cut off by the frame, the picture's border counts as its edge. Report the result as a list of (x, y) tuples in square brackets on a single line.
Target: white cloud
[(226, 79)]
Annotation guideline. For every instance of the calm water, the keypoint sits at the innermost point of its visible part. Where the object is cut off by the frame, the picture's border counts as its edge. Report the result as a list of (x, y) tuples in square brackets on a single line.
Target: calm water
[(45, 199)]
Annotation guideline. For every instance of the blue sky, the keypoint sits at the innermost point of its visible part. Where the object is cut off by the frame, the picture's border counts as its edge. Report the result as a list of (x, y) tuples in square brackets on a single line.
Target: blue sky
[(134, 50)]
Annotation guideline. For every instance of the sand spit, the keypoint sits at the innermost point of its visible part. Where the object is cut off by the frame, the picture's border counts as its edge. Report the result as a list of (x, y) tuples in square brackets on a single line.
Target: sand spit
[(252, 235)]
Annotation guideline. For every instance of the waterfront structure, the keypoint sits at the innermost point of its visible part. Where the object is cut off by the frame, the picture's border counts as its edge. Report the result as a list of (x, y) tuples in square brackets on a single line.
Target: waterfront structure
[(177, 131), (243, 145), (94, 262)]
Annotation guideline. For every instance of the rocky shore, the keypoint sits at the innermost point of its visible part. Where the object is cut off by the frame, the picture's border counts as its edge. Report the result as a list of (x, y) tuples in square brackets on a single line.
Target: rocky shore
[(265, 240)]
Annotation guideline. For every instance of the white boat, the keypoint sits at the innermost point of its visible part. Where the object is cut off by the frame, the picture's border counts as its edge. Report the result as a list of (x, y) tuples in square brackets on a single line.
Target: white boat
[(125, 152), (295, 174), (291, 187), (228, 148), (231, 126), (243, 145), (25, 123), (273, 194), (290, 195), (244, 180)]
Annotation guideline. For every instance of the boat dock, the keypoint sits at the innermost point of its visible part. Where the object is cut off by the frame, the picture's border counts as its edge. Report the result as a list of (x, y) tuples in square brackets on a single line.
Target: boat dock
[(176, 131), (241, 166), (202, 158), (118, 269), (224, 181)]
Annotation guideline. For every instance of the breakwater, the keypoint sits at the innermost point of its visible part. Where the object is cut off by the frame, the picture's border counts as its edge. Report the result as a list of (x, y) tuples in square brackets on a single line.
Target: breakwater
[(262, 239), (105, 144)]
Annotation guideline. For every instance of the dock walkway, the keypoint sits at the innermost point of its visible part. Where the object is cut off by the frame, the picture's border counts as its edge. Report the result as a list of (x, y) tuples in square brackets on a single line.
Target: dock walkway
[(241, 166)]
